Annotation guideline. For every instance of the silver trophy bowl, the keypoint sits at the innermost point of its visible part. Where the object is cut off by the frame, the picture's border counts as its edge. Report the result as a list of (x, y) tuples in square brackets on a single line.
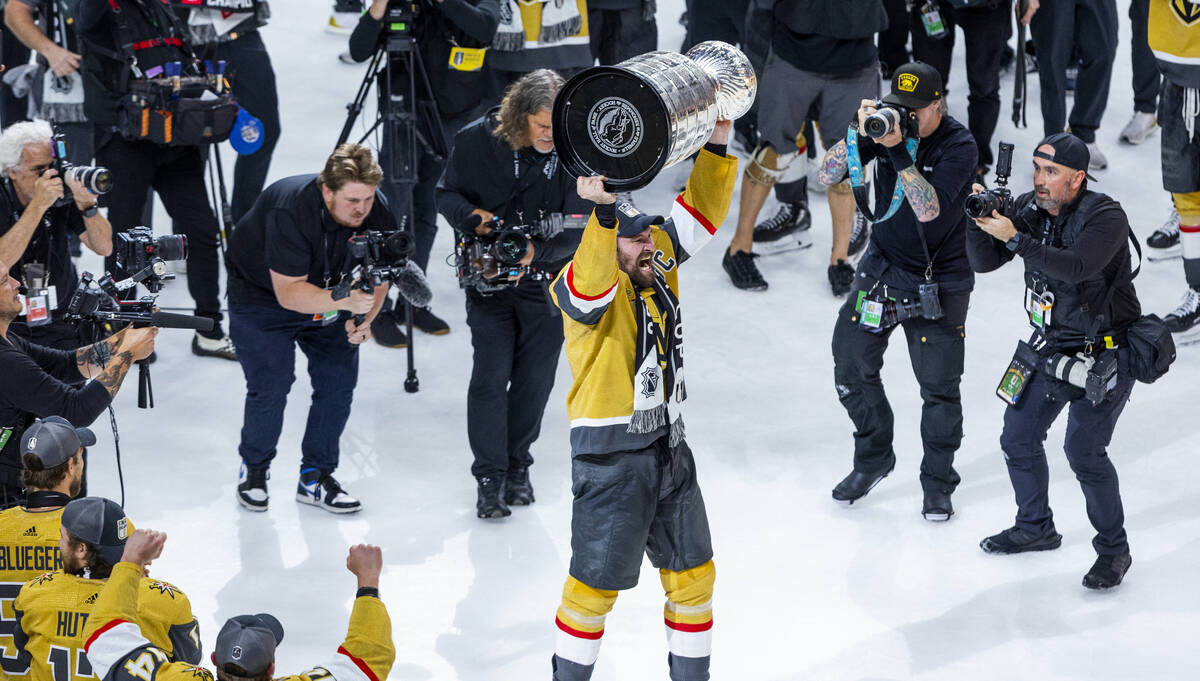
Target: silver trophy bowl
[(628, 122)]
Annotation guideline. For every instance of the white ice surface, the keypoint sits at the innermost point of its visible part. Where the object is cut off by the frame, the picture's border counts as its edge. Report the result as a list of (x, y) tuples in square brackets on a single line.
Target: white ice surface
[(806, 589)]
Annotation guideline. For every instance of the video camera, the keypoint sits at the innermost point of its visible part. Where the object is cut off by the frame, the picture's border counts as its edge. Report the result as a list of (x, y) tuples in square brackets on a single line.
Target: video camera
[(888, 116), (143, 255), (492, 262), (998, 199), (382, 257), (95, 179)]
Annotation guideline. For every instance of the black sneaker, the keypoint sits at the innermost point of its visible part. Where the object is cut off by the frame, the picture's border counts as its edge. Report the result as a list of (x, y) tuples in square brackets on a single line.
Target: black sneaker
[(856, 485), (937, 506), (518, 490), (1107, 571), (425, 320), (791, 217), (1016, 540), (841, 278), (387, 331), (214, 347), (743, 272), (859, 235), (1186, 315), (321, 490), (252, 488), (490, 501)]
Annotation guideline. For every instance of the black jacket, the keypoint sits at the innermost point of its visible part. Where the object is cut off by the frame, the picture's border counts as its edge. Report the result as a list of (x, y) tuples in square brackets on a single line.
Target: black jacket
[(480, 174), (1078, 255)]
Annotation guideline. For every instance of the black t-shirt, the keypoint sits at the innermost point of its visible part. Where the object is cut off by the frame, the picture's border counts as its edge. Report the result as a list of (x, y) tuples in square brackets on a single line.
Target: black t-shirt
[(289, 230), (48, 245), (947, 160), (821, 53), (39, 382)]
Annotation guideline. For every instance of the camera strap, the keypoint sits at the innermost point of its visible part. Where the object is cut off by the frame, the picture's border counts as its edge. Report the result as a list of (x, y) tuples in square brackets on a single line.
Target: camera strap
[(1095, 321), (855, 168)]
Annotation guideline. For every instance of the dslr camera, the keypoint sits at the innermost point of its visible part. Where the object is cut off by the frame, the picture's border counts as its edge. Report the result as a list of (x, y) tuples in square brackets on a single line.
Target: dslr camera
[(95, 179), (999, 199), (889, 116), (1096, 375), (144, 255)]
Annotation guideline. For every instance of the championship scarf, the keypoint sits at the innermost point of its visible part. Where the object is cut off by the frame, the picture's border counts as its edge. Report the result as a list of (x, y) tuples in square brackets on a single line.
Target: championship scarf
[(658, 390), (556, 20), (560, 18), (510, 35)]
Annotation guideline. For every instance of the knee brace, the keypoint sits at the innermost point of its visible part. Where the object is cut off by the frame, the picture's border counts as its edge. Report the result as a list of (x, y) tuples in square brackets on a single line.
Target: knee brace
[(842, 187), (767, 166)]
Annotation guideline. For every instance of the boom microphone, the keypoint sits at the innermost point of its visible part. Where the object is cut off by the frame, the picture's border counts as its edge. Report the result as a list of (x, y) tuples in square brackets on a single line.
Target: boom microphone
[(413, 286), (168, 320)]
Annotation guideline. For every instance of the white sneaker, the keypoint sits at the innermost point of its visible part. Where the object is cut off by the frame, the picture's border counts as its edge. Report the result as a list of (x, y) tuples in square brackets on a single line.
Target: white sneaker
[(252, 489), (321, 490), (342, 23), (214, 347), (1099, 160), (1139, 127)]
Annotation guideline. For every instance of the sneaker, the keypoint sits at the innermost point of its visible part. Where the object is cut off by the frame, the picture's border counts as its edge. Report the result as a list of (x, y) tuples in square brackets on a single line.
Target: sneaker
[(1139, 127), (319, 489), (791, 217), (1163, 244), (1187, 314), (425, 320), (214, 347), (1107, 571), (856, 485), (937, 506), (518, 491), (387, 332), (841, 278), (252, 488), (859, 235), (342, 23), (743, 272), (490, 501), (1099, 161), (1016, 540)]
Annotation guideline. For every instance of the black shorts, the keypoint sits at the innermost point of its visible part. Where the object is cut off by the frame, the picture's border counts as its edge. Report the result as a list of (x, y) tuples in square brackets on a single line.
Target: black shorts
[(627, 503), (1180, 154)]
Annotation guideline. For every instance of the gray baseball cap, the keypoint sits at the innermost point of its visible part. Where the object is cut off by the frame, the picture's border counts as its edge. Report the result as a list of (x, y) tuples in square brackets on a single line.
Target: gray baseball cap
[(53, 440), (100, 522), (248, 641)]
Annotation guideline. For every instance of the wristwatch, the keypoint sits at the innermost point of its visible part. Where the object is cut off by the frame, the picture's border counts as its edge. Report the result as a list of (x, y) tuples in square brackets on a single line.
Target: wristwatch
[(1012, 243), (90, 211)]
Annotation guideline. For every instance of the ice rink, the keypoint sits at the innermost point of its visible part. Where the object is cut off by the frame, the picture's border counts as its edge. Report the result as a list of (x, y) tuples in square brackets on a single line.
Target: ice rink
[(806, 589)]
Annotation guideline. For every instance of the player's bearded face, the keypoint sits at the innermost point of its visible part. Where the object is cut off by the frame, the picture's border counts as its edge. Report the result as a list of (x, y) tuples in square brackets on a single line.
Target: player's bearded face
[(77, 480), (72, 563), (635, 257)]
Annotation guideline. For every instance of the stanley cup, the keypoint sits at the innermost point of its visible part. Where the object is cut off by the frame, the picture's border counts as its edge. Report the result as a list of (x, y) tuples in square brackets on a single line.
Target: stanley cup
[(628, 122)]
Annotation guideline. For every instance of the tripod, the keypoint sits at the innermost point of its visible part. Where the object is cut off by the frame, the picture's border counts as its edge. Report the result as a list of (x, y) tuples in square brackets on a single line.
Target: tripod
[(410, 123)]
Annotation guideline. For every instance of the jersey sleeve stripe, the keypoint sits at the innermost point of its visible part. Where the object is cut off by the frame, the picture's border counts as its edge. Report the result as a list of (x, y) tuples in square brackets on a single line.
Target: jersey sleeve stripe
[(362, 666), (103, 630), (586, 302), (695, 214)]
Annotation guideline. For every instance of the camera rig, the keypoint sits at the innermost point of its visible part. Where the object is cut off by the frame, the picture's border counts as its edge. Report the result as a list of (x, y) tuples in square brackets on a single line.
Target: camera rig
[(1000, 198), (377, 258), (491, 262)]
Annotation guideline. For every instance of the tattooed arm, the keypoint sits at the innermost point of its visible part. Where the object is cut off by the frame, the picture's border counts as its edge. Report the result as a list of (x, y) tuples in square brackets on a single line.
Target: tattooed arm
[(108, 361), (920, 194), (833, 168)]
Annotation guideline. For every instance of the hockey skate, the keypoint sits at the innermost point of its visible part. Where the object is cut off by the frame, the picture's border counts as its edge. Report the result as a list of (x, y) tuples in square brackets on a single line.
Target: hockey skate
[(1184, 320), (1163, 244), (791, 220)]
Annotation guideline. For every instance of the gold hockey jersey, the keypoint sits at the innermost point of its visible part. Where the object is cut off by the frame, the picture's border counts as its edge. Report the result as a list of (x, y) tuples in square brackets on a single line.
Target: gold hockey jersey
[(1173, 30), (52, 609), (119, 651)]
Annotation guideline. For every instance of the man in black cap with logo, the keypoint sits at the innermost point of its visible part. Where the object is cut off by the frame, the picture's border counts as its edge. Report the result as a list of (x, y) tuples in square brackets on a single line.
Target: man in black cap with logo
[(245, 651), (915, 275), (1081, 302)]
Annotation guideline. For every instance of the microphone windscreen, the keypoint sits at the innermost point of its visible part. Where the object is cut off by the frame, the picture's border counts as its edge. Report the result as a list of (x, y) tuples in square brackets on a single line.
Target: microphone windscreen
[(413, 286)]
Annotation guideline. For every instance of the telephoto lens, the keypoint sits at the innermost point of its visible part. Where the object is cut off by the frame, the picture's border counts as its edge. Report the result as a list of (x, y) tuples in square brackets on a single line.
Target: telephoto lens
[(95, 179), (1073, 370)]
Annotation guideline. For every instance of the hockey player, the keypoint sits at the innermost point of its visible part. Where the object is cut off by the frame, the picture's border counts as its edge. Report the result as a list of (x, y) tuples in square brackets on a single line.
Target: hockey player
[(634, 477), (51, 609), (1174, 35), (245, 650)]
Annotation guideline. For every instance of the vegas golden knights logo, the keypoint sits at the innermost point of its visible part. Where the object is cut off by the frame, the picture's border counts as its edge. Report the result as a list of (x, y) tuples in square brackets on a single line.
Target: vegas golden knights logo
[(1186, 11)]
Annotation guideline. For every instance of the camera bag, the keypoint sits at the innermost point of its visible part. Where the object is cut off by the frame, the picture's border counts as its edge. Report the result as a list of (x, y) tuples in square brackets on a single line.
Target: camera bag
[(194, 115)]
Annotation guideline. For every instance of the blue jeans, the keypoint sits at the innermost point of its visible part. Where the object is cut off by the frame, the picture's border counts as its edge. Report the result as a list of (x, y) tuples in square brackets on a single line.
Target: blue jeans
[(266, 341)]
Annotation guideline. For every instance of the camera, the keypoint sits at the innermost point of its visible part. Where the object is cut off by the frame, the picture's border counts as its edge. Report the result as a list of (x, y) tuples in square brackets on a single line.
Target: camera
[(999, 199), (95, 179), (143, 255), (1096, 375), (491, 262), (889, 116), (378, 258)]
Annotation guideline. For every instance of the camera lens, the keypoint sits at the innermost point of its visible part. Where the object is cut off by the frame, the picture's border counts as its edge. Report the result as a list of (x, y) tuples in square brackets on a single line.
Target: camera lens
[(881, 122), (511, 247), (981, 204), (171, 247), (398, 244), (95, 179)]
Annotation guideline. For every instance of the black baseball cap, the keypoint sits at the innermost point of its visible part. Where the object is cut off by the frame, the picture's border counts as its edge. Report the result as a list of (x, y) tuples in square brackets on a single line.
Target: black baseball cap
[(249, 642), (53, 440), (632, 222), (915, 85), (1069, 151), (100, 522)]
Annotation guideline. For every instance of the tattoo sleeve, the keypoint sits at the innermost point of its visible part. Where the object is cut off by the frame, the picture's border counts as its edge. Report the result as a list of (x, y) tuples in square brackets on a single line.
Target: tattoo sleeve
[(115, 372), (920, 194), (97, 354), (833, 168)]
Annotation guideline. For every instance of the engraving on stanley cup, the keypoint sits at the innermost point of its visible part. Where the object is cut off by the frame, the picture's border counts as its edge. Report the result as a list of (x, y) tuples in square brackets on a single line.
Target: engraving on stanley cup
[(628, 122)]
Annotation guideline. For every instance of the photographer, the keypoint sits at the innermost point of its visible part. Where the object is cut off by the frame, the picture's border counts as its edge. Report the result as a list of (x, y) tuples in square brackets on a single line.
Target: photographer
[(128, 42), (452, 37), (40, 381), (1074, 244), (35, 223), (504, 168), (915, 274), (285, 259)]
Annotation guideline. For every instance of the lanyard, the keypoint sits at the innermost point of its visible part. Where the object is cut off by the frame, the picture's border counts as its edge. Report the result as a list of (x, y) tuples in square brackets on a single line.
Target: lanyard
[(44, 223), (854, 161)]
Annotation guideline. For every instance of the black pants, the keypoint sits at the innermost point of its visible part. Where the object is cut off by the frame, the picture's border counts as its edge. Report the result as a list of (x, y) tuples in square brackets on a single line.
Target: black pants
[(1060, 29), (618, 34), (935, 349), (986, 31), (12, 108), (177, 174), (1146, 78), (723, 21), (253, 85), (517, 342), (893, 40), (1089, 430)]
